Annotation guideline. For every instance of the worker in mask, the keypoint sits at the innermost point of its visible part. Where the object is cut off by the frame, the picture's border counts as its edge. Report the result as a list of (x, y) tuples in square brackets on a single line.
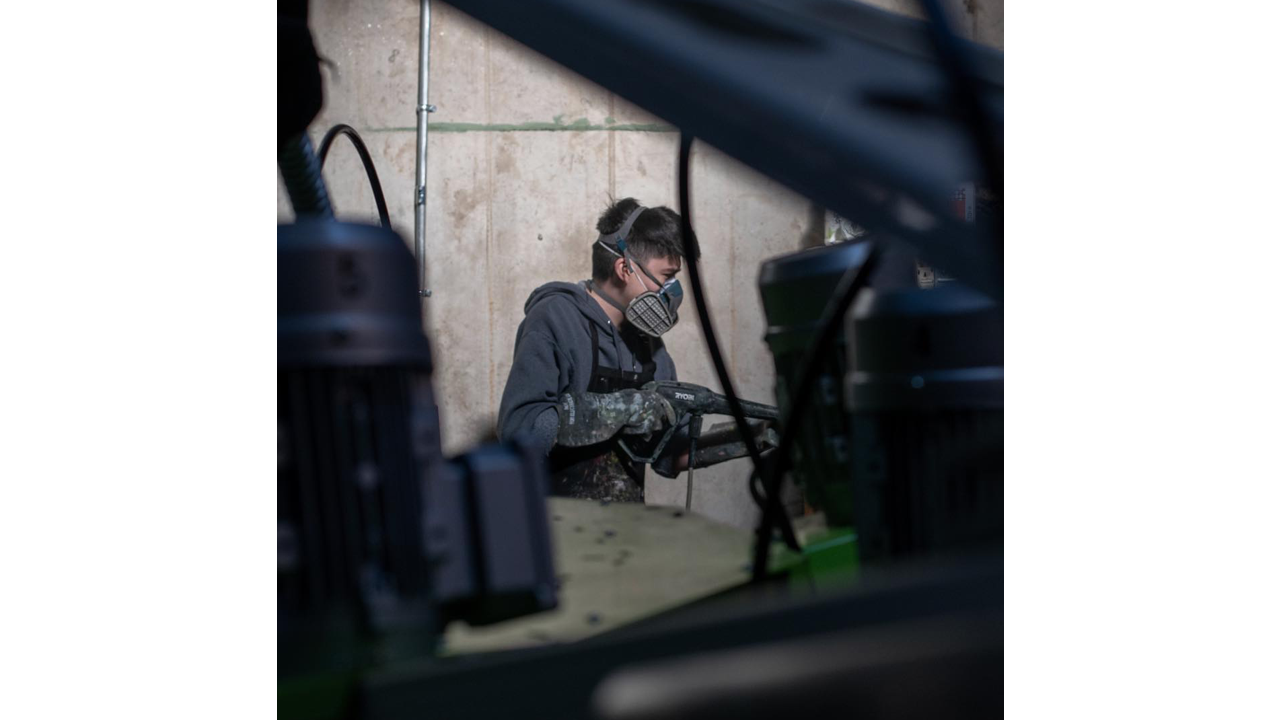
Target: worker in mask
[(585, 351)]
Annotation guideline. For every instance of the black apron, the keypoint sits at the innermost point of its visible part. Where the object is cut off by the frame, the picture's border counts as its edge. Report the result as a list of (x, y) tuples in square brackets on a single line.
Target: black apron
[(603, 471)]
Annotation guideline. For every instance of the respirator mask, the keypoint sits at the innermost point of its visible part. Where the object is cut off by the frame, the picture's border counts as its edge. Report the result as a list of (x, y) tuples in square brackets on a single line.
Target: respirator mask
[(652, 312)]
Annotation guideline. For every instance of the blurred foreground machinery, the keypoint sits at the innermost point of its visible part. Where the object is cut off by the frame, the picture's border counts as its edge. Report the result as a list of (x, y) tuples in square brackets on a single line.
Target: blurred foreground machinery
[(356, 422), (903, 440), (382, 541)]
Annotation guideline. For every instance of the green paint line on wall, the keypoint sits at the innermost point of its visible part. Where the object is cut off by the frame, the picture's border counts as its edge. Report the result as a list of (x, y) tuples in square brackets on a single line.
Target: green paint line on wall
[(579, 125)]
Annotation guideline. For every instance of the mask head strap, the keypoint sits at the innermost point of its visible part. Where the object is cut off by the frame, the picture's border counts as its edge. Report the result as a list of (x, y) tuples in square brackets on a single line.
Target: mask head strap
[(616, 242)]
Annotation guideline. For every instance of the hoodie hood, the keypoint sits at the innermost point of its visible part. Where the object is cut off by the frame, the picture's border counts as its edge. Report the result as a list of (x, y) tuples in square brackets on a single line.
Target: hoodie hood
[(575, 293)]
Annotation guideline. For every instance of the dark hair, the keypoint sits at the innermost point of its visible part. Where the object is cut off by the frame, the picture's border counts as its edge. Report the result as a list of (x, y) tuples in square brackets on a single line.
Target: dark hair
[(655, 233)]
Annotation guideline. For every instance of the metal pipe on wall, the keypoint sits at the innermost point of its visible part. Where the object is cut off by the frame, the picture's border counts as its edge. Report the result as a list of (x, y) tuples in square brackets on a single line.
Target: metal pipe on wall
[(420, 179)]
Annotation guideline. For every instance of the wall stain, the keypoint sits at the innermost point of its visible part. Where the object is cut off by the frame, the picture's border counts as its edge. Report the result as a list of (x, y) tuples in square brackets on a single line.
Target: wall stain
[(464, 203), (504, 163)]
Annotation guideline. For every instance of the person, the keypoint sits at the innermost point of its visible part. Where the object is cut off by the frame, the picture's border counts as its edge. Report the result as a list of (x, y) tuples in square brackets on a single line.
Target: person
[(585, 352)]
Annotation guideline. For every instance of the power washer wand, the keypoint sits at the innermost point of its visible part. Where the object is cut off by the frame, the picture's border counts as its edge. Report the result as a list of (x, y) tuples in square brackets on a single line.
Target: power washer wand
[(695, 401)]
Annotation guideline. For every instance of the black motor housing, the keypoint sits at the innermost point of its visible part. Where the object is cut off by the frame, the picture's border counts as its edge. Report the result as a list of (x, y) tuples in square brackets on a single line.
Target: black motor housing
[(357, 425), (925, 394)]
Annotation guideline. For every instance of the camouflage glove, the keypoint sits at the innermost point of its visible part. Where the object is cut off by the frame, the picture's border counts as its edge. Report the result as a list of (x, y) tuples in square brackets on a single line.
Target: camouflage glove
[(588, 418)]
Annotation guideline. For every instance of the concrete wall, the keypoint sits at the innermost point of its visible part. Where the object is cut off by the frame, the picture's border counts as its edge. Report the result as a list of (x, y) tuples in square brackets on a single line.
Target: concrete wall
[(523, 157)]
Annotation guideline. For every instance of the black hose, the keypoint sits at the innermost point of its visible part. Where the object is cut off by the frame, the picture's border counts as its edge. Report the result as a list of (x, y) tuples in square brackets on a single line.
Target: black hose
[(810, 369), (301, 174), (708, 331), (369, 170)]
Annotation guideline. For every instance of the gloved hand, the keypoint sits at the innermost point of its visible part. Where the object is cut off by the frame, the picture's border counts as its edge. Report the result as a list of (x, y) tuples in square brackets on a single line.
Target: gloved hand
[(587, 418)]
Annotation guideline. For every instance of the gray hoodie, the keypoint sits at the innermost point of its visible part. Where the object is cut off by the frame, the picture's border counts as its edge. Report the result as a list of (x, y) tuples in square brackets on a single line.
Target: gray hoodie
[(553, 356)]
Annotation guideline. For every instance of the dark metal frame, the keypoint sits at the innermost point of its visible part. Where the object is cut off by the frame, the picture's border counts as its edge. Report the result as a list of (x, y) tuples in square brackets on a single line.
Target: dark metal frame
[(842, 102)]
